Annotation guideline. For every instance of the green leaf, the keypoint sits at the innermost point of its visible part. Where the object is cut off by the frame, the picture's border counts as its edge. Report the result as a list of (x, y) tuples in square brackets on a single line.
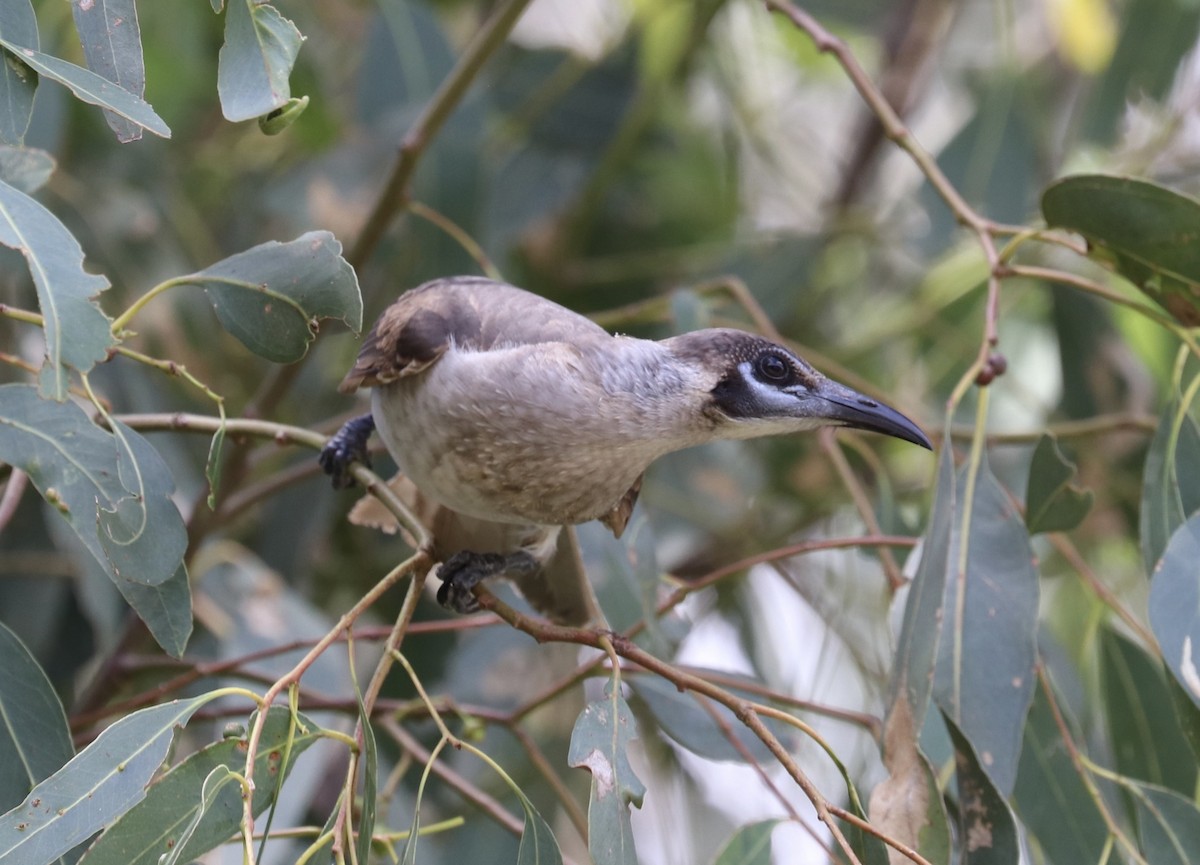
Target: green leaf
[(255, 61), (917, 648), (370, 768), (1053, 503), (112, 45), (1175, 606), (686, 721), (985, 669), (35, 740), (270, 295), (598, 743), (750, 845), (1147, 231), (26, 169), (1168, 824), (987, 828), (18, 83), (91, 88), (99, 784), (166, 609), (1170, 493), (77, 333), (1147, 741), (1053, 802), (190, 810), (538, 844), (114, 491)]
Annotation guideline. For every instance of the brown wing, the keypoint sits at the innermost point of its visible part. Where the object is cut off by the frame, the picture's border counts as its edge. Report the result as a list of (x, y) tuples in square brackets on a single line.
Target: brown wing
[(618, 518), (472, 312)]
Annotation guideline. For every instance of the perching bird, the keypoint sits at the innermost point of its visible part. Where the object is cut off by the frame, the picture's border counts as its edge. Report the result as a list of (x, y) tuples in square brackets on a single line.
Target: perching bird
[(518, 417)]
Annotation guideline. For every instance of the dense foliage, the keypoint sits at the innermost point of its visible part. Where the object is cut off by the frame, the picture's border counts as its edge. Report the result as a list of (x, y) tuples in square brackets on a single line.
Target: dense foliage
[(832, 647)]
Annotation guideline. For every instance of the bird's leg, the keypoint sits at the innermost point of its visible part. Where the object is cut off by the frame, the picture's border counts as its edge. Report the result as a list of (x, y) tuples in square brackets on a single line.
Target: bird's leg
[(347, 446), (464, 570)]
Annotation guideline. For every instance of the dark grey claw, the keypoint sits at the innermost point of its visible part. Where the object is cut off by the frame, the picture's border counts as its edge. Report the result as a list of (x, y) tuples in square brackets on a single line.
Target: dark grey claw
[(348, 445), (464, 570)]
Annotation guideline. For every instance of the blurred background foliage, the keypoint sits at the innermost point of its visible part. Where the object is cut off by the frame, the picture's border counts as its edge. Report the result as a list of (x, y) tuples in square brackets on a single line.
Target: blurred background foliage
[(635, 160)]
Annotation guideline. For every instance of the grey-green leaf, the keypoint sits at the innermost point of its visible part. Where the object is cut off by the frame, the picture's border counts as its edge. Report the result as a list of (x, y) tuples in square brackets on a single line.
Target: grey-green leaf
[(750, 845), (985, 668), (986, 824), (1147, 231), (1175, 606), (538, 844), (917, 648), (688, 723), (599, 744), (35, 740), (1052, 800), (18, 83), (1170, 493), (1168, 825), (112, 45), (99, 784), (256, 60), (25, 168), (1053, 501), (166, 609), (1147, 740), (76, 331), (174, 804), (270, 295), (114, 491), (91, 88)]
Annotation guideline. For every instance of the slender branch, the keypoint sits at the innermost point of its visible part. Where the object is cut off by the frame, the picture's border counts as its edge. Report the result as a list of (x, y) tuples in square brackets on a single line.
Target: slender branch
[(14, 489), (866, 826)]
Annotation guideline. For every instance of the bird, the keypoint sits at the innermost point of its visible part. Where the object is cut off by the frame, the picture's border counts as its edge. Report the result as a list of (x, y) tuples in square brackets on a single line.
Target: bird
[(511, 417)]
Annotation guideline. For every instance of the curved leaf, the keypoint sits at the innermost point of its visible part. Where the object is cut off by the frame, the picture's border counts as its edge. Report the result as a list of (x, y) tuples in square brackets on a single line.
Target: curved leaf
[(25, 168), (750, 845), (103, 781), (91, 88), (112, 45), (255, 61), (1147, 231), (35, 740), (183, 816), (270, 295), (1169, 491), (77, 333), (1053, 502), (987, 828), (18, 83)]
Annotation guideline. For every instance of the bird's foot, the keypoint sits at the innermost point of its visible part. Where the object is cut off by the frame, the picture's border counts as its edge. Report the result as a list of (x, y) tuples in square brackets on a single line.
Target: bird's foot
[(464, 570), (348, 445)]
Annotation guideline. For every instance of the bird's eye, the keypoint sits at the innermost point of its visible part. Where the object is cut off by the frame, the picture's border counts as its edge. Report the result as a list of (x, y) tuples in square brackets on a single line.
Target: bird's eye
[(772, 367)]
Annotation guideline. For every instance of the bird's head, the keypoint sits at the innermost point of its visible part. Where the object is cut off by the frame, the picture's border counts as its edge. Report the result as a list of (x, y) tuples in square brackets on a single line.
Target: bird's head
[(760, 388)]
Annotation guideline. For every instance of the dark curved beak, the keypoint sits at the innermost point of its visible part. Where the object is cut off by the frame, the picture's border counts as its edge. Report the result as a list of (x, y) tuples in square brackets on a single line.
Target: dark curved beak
[(844, 406)]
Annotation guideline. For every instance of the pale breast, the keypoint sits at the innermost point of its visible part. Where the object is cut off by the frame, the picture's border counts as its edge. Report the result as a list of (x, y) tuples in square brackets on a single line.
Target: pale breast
[(523, 434)]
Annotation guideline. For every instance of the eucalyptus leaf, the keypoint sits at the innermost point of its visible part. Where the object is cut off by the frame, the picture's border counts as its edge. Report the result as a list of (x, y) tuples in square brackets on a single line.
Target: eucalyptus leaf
[(599, 744), (270, 295), (1168, 824), (77, 333), (112, 45), (189, 810), (99, 784), (750, 845), (986, 824), (1170, 492), (985, 677), (1175, 606), (35, 740), (1145, 230), (256, 60), (91, 88), (18, 82), (113, 489), (1053, 501)]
